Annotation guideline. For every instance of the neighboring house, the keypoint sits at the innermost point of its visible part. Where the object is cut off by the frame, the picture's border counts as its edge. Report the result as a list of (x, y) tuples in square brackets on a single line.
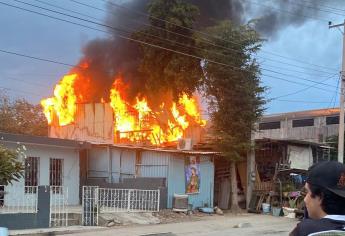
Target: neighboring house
[(310, 125), (121, 166), (49, 161), (293, 140)]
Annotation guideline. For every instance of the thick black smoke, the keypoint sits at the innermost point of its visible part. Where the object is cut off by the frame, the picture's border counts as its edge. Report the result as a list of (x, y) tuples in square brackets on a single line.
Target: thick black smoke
[(112, 56)]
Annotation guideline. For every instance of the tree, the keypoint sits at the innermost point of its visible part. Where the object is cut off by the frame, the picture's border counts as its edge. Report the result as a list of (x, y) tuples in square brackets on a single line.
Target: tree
[(167, 70), (11, 169), (234, 93), (21, 117)]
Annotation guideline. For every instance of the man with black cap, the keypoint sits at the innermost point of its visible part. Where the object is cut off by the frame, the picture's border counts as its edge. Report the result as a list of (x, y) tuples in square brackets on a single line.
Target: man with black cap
[(325, 199)]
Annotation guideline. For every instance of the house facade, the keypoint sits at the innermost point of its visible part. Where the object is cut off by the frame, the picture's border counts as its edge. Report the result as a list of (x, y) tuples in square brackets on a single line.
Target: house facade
[(48, 161), (119, 166)]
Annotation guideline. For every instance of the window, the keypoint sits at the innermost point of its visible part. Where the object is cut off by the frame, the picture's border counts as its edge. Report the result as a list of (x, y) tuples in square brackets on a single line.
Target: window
[(332, 120), (55, 172), (31, 174), (303, 122), (269, 125)]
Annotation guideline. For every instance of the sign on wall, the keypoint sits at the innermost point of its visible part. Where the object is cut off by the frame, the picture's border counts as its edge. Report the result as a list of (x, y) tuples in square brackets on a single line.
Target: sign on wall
[(192, 173)]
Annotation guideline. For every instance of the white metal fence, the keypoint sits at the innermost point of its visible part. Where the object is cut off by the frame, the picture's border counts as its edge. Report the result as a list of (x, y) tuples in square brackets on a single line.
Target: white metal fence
[(58, 209), (107, 200), (128, 200), (18, 199), (90, 206)]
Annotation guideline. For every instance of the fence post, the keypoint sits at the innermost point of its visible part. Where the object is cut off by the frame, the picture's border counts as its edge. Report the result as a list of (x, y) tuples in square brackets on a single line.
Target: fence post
[(129, 200), (43, 207), (97, 205), (158, 199)]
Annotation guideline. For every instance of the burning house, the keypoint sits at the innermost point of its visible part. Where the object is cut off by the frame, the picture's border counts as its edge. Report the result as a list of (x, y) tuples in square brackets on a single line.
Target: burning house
[(141, 142), (118, 118)]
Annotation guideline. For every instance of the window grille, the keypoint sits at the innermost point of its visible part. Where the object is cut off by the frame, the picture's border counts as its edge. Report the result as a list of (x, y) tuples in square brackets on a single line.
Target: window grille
[(56, 173), (31, 174)]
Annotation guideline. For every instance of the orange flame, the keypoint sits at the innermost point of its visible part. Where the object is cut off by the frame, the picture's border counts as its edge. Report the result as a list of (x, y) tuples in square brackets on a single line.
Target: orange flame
[(63, 104), (124, 121), (192, 109), (133, 121)]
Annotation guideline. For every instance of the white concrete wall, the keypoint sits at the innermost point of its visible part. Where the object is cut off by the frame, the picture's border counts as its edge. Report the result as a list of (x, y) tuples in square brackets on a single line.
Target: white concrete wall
[(70, 158)]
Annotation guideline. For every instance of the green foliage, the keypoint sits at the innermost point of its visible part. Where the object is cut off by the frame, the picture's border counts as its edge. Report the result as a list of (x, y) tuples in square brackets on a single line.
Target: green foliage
[(234, 93), (166, 70), (11, 169), (21, 117)]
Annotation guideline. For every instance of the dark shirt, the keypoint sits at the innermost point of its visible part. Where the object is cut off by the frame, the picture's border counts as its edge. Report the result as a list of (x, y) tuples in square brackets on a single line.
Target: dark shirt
[(309, 226)]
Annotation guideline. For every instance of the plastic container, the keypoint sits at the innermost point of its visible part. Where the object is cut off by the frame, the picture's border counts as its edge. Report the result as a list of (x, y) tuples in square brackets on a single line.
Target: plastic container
[(266, 208), (276, 211)]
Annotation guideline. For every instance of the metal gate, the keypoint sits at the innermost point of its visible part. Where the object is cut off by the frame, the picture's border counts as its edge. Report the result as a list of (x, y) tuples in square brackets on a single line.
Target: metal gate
[(107, 200), (58, 209), (90, 206)]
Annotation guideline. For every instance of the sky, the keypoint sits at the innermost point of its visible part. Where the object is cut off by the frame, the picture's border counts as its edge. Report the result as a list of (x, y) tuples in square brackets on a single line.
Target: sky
[(300, 62)]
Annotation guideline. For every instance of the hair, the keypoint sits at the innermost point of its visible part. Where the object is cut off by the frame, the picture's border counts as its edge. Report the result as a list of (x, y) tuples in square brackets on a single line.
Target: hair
[(331, 203)]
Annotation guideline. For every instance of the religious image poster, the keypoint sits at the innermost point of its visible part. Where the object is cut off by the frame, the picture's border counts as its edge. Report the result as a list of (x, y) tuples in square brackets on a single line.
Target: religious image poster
[(192, 173)]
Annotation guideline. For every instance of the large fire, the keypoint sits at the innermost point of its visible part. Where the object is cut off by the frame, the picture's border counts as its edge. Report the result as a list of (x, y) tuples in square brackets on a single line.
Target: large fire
[(134, 121)]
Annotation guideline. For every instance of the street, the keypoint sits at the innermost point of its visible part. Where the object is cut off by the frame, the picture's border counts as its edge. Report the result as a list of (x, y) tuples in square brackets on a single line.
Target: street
[(217, 225)]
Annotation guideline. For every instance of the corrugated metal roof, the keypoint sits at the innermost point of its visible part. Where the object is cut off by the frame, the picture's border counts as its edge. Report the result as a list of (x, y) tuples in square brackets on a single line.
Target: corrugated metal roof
[(188, 152), (30, 139), (301, 114), (293, 141)]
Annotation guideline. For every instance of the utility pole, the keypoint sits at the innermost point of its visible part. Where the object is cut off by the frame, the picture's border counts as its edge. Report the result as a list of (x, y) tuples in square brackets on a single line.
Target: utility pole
[(342, 99)]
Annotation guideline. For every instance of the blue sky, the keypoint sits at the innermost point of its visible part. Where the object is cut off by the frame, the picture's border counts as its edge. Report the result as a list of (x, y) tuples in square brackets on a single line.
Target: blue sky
[(311, 42)]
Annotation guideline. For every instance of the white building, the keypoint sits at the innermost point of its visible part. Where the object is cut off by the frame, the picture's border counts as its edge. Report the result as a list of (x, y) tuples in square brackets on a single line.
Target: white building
[(48, 161)]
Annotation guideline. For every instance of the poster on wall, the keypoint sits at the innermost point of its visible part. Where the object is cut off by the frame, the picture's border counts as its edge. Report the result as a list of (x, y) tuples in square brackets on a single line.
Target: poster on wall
[(192, 173)]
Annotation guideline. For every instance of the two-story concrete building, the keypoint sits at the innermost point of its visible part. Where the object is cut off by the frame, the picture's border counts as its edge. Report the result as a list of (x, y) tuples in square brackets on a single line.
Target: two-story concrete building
[(311, 125)]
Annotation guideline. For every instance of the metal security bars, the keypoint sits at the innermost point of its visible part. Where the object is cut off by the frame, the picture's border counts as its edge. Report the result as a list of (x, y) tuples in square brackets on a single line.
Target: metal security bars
[(90, 206), (107, 200), (31, 172), (56, 173), (18, 199), (128, 200), (58, 209)]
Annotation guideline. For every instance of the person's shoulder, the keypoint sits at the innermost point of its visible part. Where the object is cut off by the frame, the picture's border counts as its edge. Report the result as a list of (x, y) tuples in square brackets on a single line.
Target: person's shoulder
[(308, 226)]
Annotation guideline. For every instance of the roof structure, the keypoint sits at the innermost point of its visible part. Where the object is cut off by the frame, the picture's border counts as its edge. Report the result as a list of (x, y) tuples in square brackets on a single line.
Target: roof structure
[(158, 149), (294, 141), (41, 140), (301, 114)]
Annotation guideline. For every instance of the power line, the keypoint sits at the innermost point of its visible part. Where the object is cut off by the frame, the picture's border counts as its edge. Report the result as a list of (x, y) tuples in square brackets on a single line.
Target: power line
[(36, 58), (301, 90), (65, 9), (300, 101), (20, 91), (327, 6), (135, 41), (316, 8), (97, 23), (23, 81), (172, 50), (299, 83), (297, 71), (144, 14), (288, 12), (335, 93)]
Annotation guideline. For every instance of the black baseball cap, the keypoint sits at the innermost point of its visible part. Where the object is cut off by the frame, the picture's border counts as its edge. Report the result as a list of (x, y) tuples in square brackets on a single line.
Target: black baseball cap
[(329, 175)]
